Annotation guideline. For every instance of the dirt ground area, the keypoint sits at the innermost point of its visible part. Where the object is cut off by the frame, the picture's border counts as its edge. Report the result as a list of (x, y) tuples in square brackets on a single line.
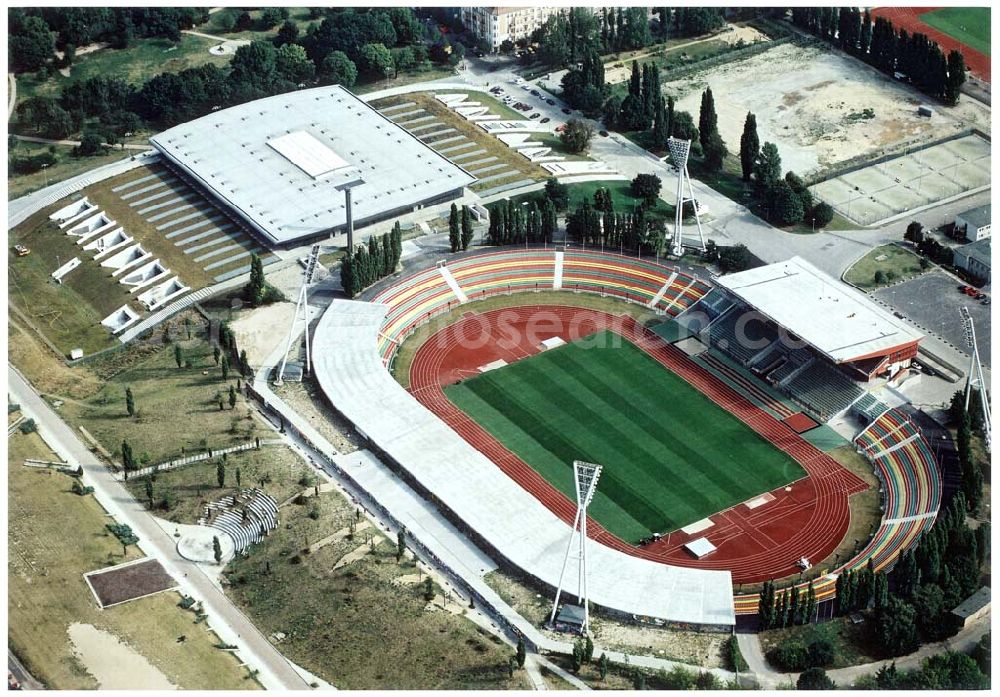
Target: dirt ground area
[(306, 400), (115, 665), (259, 331), (810, 102), (695, 648)]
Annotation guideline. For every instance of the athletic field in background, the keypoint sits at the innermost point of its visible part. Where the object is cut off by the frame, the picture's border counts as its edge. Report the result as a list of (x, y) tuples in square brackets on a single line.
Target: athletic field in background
[(968, 25), (670, 455)]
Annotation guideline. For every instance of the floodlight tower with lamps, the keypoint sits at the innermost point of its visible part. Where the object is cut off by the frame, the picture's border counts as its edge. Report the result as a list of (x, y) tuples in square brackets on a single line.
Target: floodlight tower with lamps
[(976, 374), (348, 207), (679, 151), (585, 475), (301, 312)]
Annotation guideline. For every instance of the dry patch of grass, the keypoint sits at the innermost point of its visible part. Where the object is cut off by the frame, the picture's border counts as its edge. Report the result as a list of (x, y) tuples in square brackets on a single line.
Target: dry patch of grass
[(359, 626), (896, 263), (54, 536)]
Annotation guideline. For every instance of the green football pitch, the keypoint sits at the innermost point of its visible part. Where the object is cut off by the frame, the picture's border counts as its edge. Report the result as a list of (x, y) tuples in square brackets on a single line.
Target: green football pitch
[(671, 456), (970, 25)]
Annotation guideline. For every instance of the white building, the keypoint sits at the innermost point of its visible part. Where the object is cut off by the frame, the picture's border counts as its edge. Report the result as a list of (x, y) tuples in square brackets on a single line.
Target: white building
[(975, 223), (494, 25)]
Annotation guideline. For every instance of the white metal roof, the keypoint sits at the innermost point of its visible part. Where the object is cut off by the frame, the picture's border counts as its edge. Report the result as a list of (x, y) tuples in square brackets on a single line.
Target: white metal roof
[(837, 320), (276, 161), (509, 518)]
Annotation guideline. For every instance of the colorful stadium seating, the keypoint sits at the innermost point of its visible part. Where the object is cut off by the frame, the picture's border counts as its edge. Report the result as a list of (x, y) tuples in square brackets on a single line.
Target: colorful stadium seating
[(417, 298), (911, 482)]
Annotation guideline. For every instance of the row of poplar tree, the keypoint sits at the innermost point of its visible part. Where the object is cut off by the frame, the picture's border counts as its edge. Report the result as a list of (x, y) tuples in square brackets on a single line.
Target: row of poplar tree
[(516, 223), (366, 264), (877, 42)]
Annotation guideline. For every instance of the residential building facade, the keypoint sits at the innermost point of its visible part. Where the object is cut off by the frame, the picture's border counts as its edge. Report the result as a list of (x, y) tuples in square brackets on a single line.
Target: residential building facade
[(975, 223), (494, 25)]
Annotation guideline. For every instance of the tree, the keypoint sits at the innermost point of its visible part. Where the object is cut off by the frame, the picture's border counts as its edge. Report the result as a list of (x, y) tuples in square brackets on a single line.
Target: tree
[(239, 478), (602, 665), (232, 396), (786, 206), (340, 69), (647, 187), (522, 653), (216, 549), (254, 70), (225, 367), (400, 544), (767, 169), (956, 77), (287, 34), (467, 231), (178, 355), (821, 214), (220, 473), (734, 258), (454, 235), (129, 401), (588, 649), (814, 679), (896, 627), (293, 64), (881, 278), (558, 193), (375, 60), (256, 287), (44, 117), (577, 135), (90, 144), (707, 119), (128, 459), (30, 43), (714, 151), (577, 658), (149, 491)]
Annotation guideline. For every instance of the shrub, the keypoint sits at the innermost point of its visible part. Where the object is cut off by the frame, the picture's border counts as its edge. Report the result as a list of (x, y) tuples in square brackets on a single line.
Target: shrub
[(821, 653), (28, 426), (789, 657), (822, 214)]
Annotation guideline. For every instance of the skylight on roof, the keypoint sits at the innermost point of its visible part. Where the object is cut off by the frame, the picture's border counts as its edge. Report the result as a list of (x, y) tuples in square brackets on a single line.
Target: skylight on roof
[(307, 153)]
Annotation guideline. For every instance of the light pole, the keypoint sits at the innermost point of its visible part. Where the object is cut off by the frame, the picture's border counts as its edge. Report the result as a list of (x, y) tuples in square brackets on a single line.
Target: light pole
[(44, 167)]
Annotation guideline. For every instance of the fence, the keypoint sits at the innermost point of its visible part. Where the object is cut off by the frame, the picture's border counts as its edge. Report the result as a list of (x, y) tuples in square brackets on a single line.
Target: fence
[(190, 459)]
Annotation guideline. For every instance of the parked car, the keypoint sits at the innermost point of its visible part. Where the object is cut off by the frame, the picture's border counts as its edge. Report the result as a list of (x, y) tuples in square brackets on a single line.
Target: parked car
[(545, 120), (534, 116), (986, 301), (519, 81), (535, 93), (567, 111), (980, 296), (603, 133), (550, 102), (21, 251)]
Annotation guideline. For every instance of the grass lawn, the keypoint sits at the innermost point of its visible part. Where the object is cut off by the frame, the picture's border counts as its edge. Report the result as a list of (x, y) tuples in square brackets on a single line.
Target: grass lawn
[(672, 58), (621, 196), (195, 485), (970, 25), (54, 537), (178, 407), (65, 167), (601, 399), (136, 64), (897, 263), (366, 624)]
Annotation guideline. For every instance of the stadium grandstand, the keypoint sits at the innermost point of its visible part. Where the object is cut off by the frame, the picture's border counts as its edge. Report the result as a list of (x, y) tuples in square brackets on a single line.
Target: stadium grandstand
[(275, 164), (805, 333)]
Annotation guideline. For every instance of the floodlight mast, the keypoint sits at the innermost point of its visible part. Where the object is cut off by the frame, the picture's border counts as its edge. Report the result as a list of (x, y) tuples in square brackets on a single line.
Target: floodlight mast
[(349, 208), (976, 375), (301, 308), (679, 151), (585, 476)]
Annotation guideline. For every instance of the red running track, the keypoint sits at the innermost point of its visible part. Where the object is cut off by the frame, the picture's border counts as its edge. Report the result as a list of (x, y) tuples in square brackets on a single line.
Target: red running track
[(810, 519), (908, 18)]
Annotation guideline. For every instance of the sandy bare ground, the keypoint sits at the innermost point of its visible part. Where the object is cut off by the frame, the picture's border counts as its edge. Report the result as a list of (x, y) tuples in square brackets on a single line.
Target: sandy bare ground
[(809, 102), (338, 536), (115, 665), (358, 553), (303, 399), (697, 648), (259, 331)]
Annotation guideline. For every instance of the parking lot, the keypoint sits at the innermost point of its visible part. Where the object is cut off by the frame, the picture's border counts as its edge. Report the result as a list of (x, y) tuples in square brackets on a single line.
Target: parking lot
[(934, 302)]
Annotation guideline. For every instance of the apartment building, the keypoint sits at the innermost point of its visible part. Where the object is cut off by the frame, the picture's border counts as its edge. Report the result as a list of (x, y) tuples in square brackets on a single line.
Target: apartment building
[(494, 25)]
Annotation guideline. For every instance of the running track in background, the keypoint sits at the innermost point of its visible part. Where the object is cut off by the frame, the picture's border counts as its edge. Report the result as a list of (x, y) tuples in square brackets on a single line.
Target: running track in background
[(908, 18), (754, 545)]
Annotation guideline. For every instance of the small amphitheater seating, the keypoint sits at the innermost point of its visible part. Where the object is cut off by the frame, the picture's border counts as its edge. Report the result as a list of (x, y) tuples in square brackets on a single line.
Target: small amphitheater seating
[(243, 516)]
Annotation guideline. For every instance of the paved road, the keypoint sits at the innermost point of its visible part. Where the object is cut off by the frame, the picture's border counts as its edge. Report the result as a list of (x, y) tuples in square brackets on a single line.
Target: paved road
[(126, 146), (21, 674), (230, 624)]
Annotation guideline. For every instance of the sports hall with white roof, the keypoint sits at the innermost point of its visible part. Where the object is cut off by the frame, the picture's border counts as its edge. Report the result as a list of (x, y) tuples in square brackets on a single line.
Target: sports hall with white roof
[(275, 163)]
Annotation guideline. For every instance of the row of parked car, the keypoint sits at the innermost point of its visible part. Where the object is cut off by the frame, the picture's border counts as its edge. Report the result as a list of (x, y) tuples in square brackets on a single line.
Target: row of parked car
[(520, 106), (975, 293)]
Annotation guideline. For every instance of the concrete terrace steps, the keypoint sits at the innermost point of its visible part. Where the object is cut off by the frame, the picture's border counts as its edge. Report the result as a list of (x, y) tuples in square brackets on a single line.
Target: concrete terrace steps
[(146, 189), (173, 211), (134, 182), (443, 141), (211, 243), (456, 148), (486, 193), (210, 220), (465, 155), (229, 275), (396, 107), (157, 206), (224, 228), (483, 170), (497, 177), (229, 260)]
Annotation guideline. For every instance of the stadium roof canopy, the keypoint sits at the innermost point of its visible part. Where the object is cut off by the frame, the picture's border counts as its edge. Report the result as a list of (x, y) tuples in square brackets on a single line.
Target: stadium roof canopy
[(276, 162), (836, 320)]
